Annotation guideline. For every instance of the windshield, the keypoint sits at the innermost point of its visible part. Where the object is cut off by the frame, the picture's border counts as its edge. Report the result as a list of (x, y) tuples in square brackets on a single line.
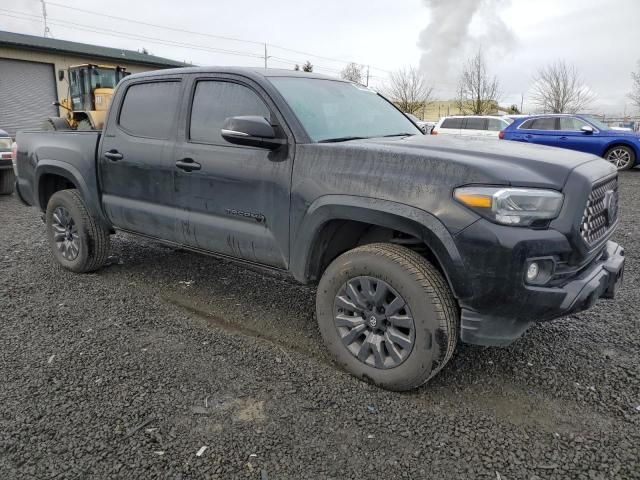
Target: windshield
[(103, 78), (5, 143), (333, 111), (597, 123)]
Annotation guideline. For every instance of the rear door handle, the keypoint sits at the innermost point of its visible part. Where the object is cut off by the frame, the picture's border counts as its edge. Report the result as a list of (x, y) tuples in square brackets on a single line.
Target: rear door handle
[(528, 137), (187, 164), (113, 155)]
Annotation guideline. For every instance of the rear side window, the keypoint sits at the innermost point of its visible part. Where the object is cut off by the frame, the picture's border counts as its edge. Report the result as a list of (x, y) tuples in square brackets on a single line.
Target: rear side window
[(475, 123), (148, 109), (546, 123), (214, 102), (452, 123)]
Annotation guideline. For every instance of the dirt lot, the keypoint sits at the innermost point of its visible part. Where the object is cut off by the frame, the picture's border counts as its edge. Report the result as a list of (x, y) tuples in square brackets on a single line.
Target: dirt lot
[(130, 372)]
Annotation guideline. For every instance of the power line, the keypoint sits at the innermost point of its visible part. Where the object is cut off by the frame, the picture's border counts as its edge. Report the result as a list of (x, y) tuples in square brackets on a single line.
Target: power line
[(221, 37)]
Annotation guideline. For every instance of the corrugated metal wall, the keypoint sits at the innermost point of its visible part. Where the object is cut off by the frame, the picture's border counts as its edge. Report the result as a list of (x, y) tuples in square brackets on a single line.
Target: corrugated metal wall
[(27, 91)]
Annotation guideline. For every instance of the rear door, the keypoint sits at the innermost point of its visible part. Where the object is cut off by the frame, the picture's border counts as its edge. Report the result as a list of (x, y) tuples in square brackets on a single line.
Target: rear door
[(235, 201), (135, 164)]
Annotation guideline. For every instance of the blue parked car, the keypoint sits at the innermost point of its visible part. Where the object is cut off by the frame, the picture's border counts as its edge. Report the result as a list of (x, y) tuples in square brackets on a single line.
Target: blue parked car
[(577, 132)]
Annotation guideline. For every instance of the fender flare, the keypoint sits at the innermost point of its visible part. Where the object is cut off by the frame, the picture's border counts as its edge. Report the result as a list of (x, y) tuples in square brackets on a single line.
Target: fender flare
[(626, 143), (71, 173), (383, 213)]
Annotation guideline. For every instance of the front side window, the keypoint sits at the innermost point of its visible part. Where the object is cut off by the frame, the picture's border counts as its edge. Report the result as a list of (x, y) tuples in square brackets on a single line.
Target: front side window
[(545, 123), (149, 108), (214, 102), (475, 123), (331, 110), (572, 124)]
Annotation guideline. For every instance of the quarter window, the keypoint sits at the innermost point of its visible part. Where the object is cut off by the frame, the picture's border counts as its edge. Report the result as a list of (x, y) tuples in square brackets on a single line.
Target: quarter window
[(214, 102), (148, 109), (452, 123), (495, 125)]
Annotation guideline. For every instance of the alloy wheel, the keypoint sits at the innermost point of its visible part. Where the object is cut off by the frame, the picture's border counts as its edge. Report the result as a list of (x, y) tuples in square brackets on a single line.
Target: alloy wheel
[(65, 233), (374, 322), (620, 157)]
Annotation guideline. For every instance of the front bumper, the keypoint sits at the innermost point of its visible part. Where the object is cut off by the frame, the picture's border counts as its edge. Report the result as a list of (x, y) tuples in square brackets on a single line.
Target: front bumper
[(503, 305)]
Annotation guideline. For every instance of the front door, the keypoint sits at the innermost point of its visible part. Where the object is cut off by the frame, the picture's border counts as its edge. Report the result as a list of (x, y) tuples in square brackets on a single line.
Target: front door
[(136, 165), (234, 199), (573, 137)]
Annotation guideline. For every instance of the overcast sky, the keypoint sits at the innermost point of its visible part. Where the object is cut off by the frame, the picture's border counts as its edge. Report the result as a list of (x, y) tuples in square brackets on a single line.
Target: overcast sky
[(601, 38)]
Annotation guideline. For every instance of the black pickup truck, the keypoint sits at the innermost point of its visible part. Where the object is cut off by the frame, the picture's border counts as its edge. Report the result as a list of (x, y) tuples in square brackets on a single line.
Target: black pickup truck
[(415, 242)]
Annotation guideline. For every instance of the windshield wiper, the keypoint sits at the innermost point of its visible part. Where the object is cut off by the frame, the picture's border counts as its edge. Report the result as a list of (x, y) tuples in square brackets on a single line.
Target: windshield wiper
[(404, 134), (340, 139)]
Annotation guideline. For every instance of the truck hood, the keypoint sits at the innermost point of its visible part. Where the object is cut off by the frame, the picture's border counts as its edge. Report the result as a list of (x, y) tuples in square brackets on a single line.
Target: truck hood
[(482, 160)]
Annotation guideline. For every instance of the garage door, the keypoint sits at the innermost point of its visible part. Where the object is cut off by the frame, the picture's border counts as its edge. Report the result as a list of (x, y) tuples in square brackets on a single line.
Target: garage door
[(27, 91)]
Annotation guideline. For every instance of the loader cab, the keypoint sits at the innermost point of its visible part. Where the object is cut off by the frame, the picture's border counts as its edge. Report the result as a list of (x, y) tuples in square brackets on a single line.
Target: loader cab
[(90, 91)]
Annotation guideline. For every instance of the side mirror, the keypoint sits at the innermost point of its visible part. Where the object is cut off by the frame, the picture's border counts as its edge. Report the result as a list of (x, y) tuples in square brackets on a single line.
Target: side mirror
[(252, 131), (588, 129)]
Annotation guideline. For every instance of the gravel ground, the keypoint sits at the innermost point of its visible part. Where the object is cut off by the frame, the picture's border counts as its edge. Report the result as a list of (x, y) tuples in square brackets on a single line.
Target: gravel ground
[(132, 371)]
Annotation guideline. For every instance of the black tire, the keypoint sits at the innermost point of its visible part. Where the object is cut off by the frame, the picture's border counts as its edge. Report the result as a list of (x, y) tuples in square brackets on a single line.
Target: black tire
[(7, 182), (56, 123), (91, 237), (621, 156), (431, 304), (84, 124)]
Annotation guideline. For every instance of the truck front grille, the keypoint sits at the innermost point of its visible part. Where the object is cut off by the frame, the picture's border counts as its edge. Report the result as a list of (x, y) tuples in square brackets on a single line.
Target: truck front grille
[(601, 211)]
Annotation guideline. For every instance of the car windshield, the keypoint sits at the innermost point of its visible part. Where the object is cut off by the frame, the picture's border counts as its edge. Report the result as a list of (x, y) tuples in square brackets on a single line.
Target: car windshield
[(5, 143), (331, 110), (597, 123)]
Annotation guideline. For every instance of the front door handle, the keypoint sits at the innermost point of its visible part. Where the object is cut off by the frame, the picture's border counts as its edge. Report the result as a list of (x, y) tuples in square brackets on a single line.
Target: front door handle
[(187, 164), (113, 155), (563, 138), (528, 137)]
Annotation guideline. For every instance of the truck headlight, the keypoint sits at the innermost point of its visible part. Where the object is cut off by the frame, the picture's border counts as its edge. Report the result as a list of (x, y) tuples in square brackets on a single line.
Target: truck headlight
[(511, 206)]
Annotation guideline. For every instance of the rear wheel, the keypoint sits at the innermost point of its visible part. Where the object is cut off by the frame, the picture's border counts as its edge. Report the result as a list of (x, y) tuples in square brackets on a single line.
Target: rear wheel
[(7, 181), (621, 156), (77, 241), (387, 315)]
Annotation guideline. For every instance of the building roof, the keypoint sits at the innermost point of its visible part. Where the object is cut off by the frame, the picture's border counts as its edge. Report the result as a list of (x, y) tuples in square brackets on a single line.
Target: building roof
[(33, 42)]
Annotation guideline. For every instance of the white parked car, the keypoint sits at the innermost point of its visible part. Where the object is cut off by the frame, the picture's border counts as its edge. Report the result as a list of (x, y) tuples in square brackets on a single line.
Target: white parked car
[(472, 126)]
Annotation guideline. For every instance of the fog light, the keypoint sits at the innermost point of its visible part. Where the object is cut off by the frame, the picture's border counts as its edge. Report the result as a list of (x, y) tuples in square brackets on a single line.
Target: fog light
[(532, 271)]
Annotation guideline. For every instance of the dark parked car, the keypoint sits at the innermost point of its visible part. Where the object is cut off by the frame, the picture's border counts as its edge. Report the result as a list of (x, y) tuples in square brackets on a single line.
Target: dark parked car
[(415, 242), (7, 178), (578, 132)]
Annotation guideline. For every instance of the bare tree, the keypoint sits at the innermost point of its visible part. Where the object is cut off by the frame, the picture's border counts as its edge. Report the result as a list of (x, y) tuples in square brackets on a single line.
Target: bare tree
[(558, 88), (477, 91), (353, 72), (635, 90), (409, 89)]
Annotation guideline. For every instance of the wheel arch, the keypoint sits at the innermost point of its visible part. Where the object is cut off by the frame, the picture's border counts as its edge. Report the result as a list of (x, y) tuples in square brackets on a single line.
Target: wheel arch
[(325, 217), (54, 175)]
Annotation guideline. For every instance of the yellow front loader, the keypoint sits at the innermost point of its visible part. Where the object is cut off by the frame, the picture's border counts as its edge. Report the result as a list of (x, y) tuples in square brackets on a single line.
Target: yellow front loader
[(90, 91)]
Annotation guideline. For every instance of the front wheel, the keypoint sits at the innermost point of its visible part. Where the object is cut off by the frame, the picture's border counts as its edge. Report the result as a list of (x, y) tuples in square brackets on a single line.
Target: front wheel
[(77, 241), (621, 156), (387, 315)]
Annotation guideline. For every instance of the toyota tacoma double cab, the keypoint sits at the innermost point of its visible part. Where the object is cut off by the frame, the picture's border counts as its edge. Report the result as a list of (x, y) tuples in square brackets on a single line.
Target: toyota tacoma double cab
[(415, 242)]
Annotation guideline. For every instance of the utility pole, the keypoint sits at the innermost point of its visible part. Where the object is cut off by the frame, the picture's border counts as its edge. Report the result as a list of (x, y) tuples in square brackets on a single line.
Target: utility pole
[(367, 75), (47, 31), (521, 102), (265, 55)]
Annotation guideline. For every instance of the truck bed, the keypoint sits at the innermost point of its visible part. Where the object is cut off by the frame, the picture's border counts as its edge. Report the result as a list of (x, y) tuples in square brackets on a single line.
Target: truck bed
[(69, 153)]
